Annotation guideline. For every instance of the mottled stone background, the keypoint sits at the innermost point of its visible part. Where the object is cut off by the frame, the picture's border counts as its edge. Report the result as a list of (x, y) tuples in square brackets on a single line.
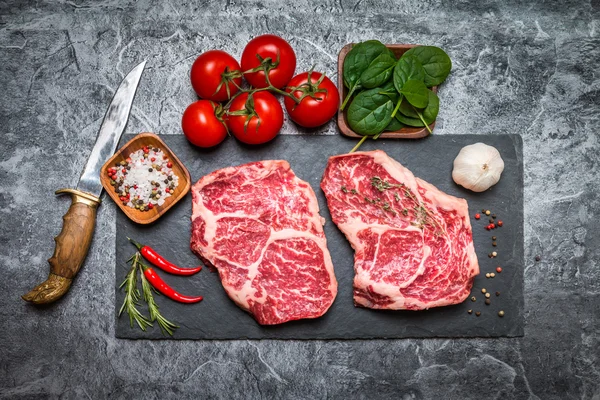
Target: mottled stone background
[(519, 67)]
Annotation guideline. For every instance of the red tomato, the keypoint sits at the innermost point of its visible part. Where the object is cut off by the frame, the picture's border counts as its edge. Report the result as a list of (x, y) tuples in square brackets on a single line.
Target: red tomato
[(312, 112), (268, 110), (210, 73), (269, 46), (201, 126)]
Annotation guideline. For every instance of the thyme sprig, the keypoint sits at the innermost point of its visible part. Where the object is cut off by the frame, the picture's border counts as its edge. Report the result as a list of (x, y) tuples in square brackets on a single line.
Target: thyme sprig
[(424, 216), (132, 300)]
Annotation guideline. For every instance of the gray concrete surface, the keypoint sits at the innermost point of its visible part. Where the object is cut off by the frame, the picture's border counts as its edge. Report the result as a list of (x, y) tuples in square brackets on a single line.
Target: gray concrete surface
[(519, 67)]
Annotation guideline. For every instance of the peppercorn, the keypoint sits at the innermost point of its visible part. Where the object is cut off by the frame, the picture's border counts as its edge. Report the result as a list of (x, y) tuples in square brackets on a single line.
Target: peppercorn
[(477, 313), (493, 275), (487, 295), (492, 226), (538, 258), (494, 254), (491, 220), (470, 311), (112, 183), (149, 169), (501, 313), (477, 216), (145, 155), (123, 163), (500, 223), (497, 293), (473, 298), (483, 290), (169, 164), (487, 275), (128, 167), (150, 206), (166, 181), (483, 210), (140, 202), (494, 244), (493, 237), (498, 269), (493, 215), (487, 212), (488, 302), (490, 255)]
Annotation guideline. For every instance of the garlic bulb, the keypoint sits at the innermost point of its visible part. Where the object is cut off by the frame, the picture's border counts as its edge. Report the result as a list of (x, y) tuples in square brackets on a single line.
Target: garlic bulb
[(477, 167)]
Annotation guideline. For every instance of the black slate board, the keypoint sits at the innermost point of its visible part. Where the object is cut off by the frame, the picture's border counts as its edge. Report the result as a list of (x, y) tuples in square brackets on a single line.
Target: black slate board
[(431, 159)]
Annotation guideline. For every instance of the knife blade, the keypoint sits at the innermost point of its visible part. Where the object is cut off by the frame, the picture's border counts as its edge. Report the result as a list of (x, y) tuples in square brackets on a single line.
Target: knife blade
[(75, 238)]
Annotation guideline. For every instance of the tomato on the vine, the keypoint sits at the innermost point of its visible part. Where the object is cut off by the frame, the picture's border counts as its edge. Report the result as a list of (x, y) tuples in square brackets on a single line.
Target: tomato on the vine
[(215, 74), (256, 119), (201, 125), (276, 53), (320, 99)]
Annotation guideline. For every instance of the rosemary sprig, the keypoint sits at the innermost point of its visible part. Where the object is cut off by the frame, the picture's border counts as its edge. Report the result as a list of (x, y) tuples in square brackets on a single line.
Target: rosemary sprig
[(165, 325), (132, 297)]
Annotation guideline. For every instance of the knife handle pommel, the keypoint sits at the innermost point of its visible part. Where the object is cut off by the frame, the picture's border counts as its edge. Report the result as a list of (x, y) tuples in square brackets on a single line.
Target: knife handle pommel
[(72, 245)]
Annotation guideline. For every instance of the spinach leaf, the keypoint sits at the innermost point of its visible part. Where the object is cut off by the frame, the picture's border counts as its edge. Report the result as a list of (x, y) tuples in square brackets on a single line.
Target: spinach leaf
[(416, 122), (356, 62), (370, 112), (416, 93), (433, 107), (408, 109), (407, 68), (429, 113), (435, 62), (394, 125), (379, 71)]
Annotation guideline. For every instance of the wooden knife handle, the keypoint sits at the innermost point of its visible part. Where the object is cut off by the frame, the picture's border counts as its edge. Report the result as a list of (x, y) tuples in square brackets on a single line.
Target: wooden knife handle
[(72, 245)]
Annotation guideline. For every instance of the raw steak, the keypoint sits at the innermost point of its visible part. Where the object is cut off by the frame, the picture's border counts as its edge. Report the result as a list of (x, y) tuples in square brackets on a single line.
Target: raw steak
[(413, 243), (259, 226)]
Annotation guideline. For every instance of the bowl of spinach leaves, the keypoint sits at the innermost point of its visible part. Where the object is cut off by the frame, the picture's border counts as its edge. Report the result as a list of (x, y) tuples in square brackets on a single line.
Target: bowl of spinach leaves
[(390, 90)]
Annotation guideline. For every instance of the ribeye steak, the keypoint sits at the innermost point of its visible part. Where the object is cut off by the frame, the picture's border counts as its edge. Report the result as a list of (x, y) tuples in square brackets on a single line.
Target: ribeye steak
[(259, 226), (413, 243)]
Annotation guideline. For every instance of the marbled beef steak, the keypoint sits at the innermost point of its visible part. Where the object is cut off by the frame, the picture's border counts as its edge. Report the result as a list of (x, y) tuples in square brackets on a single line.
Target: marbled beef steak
[(259, 226), (413, 243)]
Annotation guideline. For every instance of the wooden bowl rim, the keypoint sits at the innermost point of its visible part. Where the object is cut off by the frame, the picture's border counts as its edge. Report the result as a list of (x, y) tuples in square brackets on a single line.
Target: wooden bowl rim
[(129, 212)]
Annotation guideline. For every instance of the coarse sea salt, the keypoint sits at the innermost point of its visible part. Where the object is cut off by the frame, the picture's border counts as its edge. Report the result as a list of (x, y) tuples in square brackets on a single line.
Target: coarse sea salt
[(145, 180)]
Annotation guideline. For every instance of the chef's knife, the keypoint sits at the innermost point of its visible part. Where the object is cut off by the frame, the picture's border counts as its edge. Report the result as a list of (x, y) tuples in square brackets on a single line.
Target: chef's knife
[(73, 242)]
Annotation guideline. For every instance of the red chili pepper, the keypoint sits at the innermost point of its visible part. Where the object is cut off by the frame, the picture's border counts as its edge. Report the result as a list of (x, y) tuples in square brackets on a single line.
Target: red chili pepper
[(156, 259), (165, 289)]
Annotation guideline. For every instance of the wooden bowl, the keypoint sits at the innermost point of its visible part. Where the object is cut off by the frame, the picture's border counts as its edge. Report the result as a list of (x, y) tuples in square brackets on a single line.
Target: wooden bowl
[(141, 140), (404, 133)]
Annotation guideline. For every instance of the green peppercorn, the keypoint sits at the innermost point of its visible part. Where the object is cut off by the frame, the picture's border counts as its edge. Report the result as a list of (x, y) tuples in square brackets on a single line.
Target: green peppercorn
[(112, 183)]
